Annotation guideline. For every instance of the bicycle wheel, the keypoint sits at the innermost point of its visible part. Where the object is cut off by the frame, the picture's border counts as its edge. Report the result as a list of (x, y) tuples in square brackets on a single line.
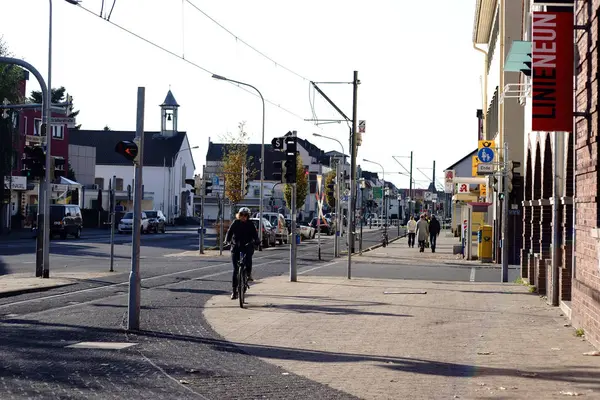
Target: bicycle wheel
[(241, 284)]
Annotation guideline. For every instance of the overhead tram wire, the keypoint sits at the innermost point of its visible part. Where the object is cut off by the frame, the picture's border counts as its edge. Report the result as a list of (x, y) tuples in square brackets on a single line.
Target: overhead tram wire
[(148, 41), (246, 43)]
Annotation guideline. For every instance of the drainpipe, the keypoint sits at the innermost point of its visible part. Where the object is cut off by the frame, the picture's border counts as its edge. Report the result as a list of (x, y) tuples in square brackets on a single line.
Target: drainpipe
[(484, 88), (574, 157)]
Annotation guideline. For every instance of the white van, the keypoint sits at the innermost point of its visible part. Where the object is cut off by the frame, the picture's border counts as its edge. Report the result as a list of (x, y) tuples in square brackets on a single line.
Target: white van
[(278, 221)]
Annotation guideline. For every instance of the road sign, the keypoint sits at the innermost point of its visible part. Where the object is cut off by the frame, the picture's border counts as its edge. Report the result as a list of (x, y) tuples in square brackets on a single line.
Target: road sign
[(463, 188), (277, 143), (60, 188), (474, 164), (449, 187), (449, 175), (486, 144), (485, 169), (485, 155), (482, 190), (215, 180), (428, 196), (362, 124), (62, 121), (347, 192)]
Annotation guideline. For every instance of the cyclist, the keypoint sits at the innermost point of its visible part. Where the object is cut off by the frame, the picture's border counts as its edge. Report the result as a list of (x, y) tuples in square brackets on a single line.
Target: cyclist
[(241, 232)]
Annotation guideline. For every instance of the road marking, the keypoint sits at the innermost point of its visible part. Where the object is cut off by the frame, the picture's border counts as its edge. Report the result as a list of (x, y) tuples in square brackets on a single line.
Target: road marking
[(472, 278), (320, 266)]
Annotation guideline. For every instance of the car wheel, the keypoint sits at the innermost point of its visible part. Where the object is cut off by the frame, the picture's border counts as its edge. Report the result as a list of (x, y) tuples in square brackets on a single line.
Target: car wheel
[(77, 233), (164, 229)]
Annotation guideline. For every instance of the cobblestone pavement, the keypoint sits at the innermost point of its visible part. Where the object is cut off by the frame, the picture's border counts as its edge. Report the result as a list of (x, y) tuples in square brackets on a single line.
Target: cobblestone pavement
[(176, 355)]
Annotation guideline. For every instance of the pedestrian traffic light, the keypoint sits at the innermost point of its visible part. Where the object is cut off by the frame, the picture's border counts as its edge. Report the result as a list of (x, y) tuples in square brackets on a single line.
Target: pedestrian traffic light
[(207, 187), (34, 162), (278, 171), (289, 170), (191, 182), (513, 177), (59, 167), (129, 192), (127, 149)]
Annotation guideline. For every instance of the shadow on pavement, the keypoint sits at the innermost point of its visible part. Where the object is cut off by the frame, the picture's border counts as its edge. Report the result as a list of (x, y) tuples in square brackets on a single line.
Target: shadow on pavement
[(332, 309), (29, 342)]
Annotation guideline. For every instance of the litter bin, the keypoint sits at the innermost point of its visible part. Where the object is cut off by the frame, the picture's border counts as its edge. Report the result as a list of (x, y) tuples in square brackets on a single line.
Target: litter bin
[(484, 243), (297, 238)]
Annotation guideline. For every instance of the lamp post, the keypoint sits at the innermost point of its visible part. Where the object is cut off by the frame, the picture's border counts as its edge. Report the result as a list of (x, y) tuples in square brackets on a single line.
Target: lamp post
[(339, 218), (382, 195), (262, 152), (171, 184)]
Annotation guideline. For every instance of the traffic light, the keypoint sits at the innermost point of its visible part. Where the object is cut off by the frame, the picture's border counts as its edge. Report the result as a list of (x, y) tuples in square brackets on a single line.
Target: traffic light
[(34, 162), (289, 170), (127, 149), (191, 182), (245, 181), (207, 187), (59, 167), (513, 177), (278, 171)]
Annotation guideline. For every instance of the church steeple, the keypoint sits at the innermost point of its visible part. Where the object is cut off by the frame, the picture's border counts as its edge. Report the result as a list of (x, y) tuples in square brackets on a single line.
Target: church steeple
[(168, 126)]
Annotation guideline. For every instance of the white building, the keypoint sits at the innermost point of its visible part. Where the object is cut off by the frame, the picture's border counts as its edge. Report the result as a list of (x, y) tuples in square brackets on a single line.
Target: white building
[(168, 162)]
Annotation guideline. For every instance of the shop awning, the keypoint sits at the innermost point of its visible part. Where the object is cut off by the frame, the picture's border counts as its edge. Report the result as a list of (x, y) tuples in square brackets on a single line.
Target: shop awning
[(518, 58)]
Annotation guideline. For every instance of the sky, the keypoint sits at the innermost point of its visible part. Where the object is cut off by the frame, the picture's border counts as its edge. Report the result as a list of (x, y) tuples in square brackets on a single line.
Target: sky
[(420, 76)]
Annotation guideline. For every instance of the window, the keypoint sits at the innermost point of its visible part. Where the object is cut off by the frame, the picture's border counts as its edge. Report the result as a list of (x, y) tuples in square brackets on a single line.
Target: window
[(257, 192), (183, 175), (36, 126), (99, 182), (58, 132), (119, 184), (24, 126)]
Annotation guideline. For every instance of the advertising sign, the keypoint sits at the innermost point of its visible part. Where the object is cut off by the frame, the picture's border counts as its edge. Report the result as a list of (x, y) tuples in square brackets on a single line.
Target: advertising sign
[(552, 71)]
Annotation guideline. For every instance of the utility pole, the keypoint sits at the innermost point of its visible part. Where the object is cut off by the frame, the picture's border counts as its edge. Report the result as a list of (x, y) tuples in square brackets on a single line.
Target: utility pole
[(202, 195), (410, 186), (133, 322), (293, 266), (505, 216), (556, 237), (338, 209), (352, 199), (48, 187), (112, 222)]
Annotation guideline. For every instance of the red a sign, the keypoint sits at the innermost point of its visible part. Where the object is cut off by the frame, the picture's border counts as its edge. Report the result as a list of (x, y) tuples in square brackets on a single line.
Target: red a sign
[(552, 71)]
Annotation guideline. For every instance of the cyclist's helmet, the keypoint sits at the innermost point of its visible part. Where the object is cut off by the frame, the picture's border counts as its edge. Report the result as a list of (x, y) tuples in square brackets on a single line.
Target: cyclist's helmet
[(244, 211)]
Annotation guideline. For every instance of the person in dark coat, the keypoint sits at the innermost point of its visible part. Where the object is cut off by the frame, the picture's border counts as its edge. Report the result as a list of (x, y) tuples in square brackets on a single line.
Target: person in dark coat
[(434, 231)]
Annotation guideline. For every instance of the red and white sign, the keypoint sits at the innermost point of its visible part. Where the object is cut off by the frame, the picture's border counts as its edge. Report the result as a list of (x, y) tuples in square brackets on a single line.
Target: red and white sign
[(552, 71), (449, 175), (463, 188)]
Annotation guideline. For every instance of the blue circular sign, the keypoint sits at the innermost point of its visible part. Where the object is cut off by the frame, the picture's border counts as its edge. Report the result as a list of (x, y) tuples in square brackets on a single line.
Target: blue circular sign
[(485, 155)]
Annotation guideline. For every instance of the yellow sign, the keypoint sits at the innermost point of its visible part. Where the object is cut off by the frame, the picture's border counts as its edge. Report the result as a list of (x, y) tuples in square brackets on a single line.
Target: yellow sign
[(482, 190), (474, 164), (487, 143)]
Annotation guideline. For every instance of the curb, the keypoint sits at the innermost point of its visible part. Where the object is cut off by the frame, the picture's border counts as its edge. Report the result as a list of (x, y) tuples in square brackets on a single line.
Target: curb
[(18, 292), (380, 245)]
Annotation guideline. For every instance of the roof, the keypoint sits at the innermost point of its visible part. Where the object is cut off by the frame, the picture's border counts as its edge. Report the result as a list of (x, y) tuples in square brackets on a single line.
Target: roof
[(170, 100), (471, 154), (485, 10), (158, 150)]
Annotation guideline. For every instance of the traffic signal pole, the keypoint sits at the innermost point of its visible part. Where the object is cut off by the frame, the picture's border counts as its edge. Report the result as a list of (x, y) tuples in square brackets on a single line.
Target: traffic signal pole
[(48, 186), (505, 215), (202, 195), (133, 321), (352, 199)]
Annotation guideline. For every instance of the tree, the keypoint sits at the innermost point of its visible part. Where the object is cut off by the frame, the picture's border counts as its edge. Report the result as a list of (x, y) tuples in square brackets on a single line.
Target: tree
[(235, 156), (58, 96), (330, 194), (10, 75), (301, 186), (71, 173), (107, 128)]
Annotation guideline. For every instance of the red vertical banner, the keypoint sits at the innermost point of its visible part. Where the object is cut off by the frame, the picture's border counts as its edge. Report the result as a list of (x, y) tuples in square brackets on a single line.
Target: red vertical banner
[(552, 71)]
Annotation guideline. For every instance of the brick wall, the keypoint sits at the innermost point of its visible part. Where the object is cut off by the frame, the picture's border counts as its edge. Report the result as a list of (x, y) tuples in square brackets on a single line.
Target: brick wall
[(586, 274)]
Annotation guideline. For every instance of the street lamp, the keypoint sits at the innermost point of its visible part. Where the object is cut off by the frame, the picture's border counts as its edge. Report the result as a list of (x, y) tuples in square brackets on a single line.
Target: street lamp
[(382, 196), (171, 183), (262, 151)]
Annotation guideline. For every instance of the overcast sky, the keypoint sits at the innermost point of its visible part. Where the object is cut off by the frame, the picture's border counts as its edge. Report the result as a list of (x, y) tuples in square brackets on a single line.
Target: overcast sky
[(420, 77)]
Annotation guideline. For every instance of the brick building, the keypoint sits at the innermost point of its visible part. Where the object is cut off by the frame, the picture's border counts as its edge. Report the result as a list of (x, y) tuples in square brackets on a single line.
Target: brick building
[(586, 272)]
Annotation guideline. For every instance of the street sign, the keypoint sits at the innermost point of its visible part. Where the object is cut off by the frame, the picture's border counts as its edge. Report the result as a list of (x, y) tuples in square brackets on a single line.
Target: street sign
[(463, 188), (361, 126), (449, 187), (482, 190), (59, 188), (347, 192), (16, 183), (486, 144), (485, 169), (428, 196), (62, 121), (277, 143), (449, 174), (35, 139), (215, 180), (485, 155), (474, 164)]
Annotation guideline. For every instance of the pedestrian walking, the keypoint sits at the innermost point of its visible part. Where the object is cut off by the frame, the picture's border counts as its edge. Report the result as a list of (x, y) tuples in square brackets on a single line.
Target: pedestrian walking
[(434, 231), (411, 228), (422, 233)]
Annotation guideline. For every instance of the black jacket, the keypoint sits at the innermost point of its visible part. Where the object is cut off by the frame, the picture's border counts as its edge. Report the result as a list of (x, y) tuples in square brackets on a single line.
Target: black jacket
[(434, 227), (241, 233)]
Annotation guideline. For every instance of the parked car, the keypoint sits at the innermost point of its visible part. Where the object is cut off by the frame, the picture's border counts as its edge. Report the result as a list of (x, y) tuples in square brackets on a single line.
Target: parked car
[(156, 221), (65, 219), (307, 232), (269, 236), (278, 222), (325, 225), (126, 223)]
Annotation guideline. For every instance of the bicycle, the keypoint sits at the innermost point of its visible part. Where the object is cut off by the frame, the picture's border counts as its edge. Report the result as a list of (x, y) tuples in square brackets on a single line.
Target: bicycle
[(242, 276)]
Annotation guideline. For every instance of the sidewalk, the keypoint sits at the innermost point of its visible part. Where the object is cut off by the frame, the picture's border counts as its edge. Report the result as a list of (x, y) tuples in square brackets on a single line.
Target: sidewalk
[(16, 284), (411, 339)]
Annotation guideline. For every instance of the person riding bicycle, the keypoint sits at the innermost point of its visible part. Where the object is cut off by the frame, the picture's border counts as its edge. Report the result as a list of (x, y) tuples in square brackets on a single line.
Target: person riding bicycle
[(242, 232)]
